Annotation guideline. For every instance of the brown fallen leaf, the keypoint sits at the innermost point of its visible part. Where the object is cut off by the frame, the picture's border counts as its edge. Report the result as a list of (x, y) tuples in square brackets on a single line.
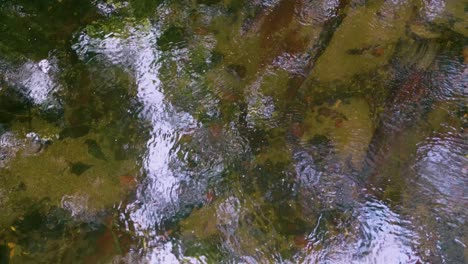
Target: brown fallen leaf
[(297, 130), (377, 52), (216, 129), (128, 181), (210, 196), (12, 246), (301, 241), (338, 122)]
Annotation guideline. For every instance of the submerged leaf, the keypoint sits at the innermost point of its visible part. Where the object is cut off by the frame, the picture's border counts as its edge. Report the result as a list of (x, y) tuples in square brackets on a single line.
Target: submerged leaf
[(95, 150), (79, 168)]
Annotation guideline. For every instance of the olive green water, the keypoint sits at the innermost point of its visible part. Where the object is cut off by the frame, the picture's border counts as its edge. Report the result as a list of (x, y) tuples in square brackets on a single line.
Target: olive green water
[(233, 131)]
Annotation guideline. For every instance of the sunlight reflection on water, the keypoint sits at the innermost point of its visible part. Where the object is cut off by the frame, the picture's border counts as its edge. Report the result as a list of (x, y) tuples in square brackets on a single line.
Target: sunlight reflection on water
[(157, 197)]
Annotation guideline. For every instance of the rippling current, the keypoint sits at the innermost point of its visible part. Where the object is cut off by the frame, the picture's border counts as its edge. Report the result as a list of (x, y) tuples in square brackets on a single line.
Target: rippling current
[(209, 131)]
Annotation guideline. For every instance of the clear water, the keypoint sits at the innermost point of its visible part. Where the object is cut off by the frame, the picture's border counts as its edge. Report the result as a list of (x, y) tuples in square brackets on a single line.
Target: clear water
[(209, 131)]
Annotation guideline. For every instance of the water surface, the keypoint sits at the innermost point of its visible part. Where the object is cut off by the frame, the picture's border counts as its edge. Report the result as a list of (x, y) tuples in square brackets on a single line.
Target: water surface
[(208, 131)]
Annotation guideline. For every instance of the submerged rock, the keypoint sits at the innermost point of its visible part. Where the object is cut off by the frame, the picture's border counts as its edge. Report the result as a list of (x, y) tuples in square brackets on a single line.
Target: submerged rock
[(370, 31)]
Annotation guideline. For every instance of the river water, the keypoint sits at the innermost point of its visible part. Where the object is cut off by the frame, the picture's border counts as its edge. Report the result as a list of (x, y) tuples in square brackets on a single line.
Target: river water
[(233, 131)]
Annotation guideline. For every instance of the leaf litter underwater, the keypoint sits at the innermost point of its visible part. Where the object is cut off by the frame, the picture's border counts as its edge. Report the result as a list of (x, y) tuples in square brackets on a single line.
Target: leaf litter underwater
[(208, 131)]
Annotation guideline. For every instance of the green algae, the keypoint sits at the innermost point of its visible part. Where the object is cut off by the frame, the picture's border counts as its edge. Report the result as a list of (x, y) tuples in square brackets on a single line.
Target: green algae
[(373, 31), (54, 174)]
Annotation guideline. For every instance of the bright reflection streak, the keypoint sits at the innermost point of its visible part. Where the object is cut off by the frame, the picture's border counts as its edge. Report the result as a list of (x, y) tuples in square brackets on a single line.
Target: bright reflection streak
[(35, 80), (156, 199), (381, 238), (433, 8), (442, 169)]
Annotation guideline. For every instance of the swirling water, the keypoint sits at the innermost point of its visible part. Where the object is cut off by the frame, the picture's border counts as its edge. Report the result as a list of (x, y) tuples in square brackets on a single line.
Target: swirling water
[(233, 131)]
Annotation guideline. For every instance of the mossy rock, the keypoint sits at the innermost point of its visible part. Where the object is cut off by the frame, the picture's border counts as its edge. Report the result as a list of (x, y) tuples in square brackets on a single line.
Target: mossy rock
[(65, 168), (364, 41)]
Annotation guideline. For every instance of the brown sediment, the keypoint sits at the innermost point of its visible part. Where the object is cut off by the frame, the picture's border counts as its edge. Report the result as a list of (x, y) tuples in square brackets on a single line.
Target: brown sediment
[(276, 20), (276, 33)]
